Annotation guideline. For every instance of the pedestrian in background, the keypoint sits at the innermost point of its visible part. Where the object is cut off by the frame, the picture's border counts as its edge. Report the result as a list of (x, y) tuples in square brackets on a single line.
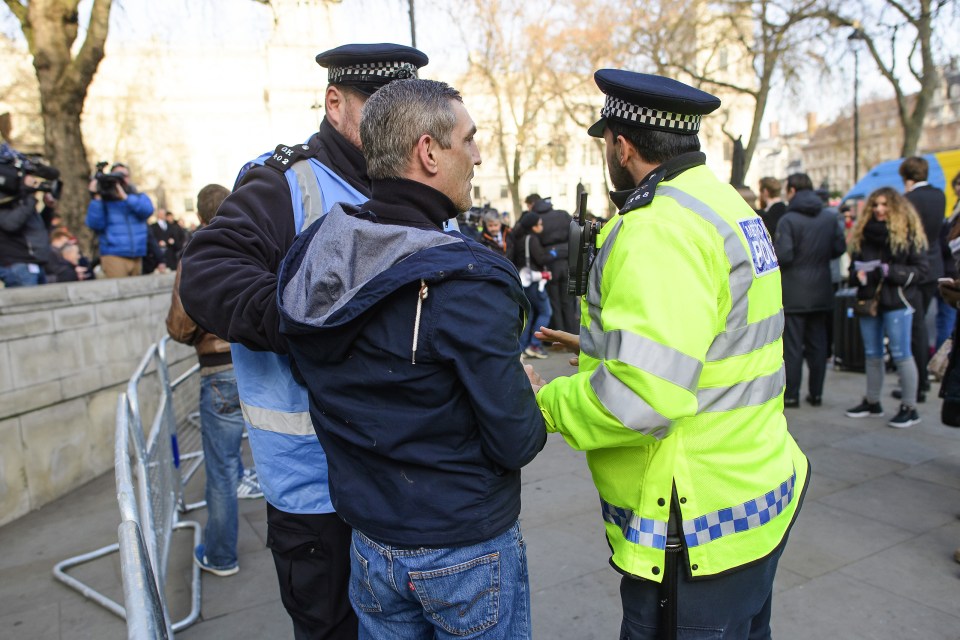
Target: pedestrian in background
[(119, 218), (808, 237), (930, 204), (889, 259), (221, 423)]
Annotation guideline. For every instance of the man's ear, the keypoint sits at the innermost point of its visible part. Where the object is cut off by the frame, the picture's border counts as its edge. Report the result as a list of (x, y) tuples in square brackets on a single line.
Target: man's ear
[(626, 152), (334, 101), (426, 155)]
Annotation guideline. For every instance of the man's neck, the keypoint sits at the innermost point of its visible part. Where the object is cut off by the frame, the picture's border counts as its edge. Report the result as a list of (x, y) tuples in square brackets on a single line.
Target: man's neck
[(771, 202)]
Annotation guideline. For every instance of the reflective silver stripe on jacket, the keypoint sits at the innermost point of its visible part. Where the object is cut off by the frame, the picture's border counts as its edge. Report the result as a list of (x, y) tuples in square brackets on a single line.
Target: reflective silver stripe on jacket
[(643, 353), (742, 517), (741, 269), (310, 195), (297, 423), (636, 529), (750, 393), (629, 408), (738, 342)]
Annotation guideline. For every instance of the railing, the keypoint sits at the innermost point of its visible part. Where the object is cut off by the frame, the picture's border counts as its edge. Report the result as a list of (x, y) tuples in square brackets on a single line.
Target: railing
[(150, 484)]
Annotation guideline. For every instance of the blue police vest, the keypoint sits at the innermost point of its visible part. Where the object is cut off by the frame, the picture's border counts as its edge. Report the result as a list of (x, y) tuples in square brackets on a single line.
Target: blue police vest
[(291, 464)]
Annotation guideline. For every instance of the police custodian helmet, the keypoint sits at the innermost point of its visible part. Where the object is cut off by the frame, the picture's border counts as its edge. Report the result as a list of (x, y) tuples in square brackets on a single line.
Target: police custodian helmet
[(650, 102), (367, 67)]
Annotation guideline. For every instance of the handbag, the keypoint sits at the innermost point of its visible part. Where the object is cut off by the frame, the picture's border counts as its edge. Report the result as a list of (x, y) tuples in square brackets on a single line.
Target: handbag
[(939, 361), (868, 307)]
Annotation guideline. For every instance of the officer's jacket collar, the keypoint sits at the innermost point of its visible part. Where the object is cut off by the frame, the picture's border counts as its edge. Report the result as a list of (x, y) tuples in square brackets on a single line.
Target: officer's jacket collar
[(642, 195)]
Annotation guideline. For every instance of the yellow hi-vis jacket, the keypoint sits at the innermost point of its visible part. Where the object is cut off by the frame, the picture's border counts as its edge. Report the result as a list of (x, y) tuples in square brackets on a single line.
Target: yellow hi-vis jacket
[(681, 382)]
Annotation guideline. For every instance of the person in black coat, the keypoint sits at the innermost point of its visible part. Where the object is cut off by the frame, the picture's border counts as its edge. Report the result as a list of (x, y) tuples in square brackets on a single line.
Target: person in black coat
[(808, 236), (772, 207), (528, 252), (930, 204), (555, 237)]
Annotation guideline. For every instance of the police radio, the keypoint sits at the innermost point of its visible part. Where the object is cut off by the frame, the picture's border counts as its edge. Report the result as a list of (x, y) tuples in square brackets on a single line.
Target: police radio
[(582, 247)]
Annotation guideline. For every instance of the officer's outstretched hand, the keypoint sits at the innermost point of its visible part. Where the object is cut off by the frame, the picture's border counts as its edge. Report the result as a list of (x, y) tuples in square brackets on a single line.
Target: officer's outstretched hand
[(950, 291), (570, 341)]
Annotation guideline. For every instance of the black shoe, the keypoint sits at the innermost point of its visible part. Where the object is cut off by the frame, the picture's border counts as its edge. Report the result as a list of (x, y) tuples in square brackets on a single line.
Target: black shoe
[(898, 394), (866, 410), (815, 401), (906, 417), (791, 403)]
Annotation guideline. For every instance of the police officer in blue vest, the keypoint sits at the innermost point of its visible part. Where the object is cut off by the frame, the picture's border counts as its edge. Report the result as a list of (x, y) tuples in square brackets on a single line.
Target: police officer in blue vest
[(229, 287)]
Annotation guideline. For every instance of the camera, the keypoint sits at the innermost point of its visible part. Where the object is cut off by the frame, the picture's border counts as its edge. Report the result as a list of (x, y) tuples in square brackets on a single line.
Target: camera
[(107, 183), (15, 166), (582, 247)]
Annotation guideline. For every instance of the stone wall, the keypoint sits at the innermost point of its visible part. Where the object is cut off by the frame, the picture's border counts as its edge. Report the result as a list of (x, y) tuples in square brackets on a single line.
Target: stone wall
[(66, 351)]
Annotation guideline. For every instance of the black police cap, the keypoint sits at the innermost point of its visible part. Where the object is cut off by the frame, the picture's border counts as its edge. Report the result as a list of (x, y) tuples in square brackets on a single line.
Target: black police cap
[(650, 102), (367, 67)]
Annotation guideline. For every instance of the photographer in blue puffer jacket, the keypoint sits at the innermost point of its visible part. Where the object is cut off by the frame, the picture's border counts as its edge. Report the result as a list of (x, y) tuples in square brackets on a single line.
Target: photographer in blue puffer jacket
[(118, 214)]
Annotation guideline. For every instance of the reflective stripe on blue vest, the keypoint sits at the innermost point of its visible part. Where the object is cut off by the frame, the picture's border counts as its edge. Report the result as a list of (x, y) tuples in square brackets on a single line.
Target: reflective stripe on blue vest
[(291, 464)]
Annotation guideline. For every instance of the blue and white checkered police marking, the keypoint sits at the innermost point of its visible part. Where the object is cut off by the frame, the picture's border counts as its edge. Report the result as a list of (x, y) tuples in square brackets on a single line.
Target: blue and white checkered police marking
[(749, 515), (636, 529), (617, 108), (761, 246)]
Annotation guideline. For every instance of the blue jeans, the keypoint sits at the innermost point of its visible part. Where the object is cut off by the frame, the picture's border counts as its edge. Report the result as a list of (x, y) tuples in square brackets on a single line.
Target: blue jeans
[(478, 591), (540, 312), (896, 325), (221, 426), (21, 274), (946, 319)]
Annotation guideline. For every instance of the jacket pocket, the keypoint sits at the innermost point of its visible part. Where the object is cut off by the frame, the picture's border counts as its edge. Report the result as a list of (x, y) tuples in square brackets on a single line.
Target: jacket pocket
[(463, 599)]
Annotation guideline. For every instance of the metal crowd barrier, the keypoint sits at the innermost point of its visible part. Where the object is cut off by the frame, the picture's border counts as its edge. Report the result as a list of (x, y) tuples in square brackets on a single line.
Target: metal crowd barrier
[(150, 484)]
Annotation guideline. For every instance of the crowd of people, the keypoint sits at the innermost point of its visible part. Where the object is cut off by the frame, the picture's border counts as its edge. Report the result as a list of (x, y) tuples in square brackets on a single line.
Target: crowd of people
[(898, 248), (37, 247)]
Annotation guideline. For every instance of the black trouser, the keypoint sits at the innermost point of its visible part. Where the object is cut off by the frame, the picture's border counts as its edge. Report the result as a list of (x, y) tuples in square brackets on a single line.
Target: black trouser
[(805, 338), (919, 339), (312, 555), (736, 605), (563, 304)]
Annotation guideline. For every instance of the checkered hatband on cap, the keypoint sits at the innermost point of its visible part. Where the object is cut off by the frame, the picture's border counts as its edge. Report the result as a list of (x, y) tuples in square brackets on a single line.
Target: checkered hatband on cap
[(367, 71), (622, 110)]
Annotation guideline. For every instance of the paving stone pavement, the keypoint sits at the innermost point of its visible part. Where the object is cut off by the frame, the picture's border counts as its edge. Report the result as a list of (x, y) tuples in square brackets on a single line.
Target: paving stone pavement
[(869, 557)]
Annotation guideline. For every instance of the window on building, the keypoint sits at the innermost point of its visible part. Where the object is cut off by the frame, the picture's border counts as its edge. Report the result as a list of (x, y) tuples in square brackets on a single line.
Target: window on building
[(188, 205), (476, 192), (504, 191)]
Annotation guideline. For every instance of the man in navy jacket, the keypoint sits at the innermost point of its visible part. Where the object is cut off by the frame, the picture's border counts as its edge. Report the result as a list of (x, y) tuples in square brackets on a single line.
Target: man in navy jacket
[(407, 340)]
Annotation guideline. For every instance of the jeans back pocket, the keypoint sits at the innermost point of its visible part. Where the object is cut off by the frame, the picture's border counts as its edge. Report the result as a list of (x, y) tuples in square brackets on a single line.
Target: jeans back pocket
[(462, 599)]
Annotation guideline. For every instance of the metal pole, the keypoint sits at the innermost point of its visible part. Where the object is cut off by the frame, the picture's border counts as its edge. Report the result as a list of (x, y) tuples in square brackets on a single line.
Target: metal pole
[(856, 116), (413, 26)]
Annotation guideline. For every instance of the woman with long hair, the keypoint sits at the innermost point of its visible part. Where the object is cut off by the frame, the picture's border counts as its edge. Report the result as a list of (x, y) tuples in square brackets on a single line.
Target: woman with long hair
[(888, 259)]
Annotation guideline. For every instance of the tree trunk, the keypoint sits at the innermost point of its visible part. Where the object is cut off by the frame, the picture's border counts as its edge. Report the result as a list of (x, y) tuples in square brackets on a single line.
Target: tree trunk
[(64, 148), (51, 28)]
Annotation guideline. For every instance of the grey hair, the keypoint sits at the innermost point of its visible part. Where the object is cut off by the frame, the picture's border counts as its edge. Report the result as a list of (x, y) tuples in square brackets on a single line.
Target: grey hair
[(491, 216), (394, 118)]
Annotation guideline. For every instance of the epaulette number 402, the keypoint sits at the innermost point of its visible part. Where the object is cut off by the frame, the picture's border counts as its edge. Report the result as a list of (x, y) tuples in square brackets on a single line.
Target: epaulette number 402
[(284, 155)]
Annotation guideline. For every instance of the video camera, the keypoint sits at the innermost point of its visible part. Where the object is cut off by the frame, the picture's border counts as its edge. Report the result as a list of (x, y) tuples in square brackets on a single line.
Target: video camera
[(107, 183), (582, 247), (15, 166)]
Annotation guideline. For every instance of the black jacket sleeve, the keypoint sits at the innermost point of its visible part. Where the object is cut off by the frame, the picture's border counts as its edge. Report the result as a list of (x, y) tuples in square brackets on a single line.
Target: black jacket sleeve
[(229, 284)]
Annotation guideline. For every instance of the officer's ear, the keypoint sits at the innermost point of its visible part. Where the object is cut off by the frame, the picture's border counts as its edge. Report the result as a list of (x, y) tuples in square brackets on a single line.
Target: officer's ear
[(626, 152), (334, 102)]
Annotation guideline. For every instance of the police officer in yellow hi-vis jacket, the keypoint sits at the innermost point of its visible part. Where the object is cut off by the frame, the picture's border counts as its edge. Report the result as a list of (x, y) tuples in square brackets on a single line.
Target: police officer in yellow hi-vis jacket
[(678, 400)]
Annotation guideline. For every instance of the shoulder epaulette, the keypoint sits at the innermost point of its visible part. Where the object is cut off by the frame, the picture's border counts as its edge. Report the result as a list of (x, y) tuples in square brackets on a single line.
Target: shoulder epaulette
[(285, 155)]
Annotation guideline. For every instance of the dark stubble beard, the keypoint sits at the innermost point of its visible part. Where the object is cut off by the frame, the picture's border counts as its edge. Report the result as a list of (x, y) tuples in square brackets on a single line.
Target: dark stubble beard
[(619, 176)]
